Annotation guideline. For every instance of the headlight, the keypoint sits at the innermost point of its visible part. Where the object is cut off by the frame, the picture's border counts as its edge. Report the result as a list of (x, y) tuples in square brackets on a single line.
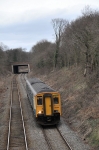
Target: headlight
[(39, 112)]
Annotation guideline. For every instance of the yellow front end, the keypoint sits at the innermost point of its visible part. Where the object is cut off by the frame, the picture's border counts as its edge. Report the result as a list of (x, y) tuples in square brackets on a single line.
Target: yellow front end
[(48, 107)]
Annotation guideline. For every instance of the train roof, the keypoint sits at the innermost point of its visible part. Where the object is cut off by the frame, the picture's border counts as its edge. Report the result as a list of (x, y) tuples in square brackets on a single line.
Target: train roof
[(39, 86)]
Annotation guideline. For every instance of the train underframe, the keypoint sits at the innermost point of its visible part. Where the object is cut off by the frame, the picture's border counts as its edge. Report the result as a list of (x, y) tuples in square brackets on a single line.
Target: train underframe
[(48, 119)]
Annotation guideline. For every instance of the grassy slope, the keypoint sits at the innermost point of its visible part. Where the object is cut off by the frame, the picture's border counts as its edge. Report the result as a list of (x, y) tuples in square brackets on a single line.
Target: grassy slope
[(80, 104)]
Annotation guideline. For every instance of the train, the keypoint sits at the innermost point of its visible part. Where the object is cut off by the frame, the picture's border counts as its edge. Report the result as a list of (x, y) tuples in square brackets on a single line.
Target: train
[(45, 102)]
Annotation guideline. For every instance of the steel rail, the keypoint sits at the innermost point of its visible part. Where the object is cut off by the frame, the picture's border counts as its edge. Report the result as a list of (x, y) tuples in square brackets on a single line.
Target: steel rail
[(49, 145), (64, 139), (9, 120)]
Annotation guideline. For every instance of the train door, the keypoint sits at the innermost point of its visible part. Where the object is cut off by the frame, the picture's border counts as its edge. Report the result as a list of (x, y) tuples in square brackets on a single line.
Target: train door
[(48, 109)]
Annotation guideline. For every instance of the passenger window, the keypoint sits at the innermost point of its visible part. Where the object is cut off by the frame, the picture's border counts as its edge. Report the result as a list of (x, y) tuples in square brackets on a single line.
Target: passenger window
[(39, 100), (56, 101)]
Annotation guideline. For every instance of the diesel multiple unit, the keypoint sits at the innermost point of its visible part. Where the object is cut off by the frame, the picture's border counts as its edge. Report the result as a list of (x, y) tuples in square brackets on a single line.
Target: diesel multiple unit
[(45, 102)]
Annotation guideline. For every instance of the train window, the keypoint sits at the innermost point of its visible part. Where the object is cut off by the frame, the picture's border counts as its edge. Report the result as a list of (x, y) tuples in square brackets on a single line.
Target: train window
[(56, 101), (39, 100)]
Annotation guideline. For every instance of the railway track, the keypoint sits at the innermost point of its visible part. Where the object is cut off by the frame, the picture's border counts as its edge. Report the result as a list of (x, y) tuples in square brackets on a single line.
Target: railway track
[(54, 139), (16, 135)]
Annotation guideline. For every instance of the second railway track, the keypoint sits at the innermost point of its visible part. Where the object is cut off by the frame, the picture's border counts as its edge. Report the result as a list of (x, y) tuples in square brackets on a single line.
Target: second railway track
[(16, 135)]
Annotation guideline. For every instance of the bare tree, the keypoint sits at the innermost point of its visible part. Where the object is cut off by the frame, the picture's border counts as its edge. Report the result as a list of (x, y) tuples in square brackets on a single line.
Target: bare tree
[(58, 26), (42, 55)]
